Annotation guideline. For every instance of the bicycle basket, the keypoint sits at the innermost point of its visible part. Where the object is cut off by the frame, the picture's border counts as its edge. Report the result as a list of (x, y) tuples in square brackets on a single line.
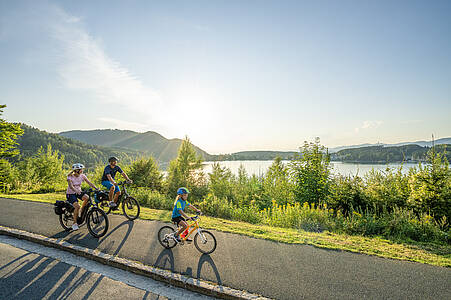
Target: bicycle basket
[(58, 207), (100, 196)]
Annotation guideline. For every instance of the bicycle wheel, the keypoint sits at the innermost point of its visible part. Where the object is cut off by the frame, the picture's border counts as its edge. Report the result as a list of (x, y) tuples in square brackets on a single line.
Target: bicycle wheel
[(66, 220), (166, 237), (131, 208), (97, 222), (205, 241), (105, 206)]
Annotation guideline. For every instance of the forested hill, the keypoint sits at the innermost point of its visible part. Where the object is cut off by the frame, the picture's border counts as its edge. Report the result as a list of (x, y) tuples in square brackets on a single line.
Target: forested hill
[(256, 155), (381, 154), (161, 148), (73, 151)]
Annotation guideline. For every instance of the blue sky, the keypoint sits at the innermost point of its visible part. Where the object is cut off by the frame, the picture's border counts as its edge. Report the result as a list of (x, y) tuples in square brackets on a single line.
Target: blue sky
[(232, 75)]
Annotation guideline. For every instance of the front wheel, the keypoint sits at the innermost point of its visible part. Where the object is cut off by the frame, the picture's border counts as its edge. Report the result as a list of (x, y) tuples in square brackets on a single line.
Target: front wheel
[(105, 206), (205, 241), (97, 222), (166, 237), (131, 208)]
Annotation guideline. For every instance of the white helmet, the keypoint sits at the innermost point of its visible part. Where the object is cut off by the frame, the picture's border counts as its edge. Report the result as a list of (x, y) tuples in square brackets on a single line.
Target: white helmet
[(77, 166)]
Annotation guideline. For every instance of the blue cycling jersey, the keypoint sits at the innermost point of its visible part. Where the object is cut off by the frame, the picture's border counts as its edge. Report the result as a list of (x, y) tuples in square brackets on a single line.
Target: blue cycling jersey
[(179, 205)]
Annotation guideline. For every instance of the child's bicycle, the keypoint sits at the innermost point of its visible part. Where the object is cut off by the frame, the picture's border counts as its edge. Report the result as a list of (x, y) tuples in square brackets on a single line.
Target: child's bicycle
[(204, 240), (130, 206), (95, 218)]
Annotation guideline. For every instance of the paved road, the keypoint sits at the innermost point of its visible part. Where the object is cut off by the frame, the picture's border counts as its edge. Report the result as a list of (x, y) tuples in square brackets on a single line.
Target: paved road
[(275, 270)]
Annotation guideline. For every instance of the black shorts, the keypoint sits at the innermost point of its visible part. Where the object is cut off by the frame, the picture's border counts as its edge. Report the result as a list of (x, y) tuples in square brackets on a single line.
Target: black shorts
[(177, 220), (72, 198)]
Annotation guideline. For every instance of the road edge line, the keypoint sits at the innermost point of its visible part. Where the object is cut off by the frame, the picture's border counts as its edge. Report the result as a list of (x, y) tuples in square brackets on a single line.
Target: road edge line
[(174, 279)]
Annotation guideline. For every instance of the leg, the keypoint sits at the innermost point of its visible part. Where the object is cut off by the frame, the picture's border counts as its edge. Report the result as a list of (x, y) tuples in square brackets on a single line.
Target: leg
[(85, 199), (76, 210), (182, 226), (111, 193), (116, 197)]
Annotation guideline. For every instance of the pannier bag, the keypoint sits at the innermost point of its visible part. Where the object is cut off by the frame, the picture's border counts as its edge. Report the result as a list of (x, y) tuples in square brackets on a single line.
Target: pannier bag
[(100, 196), (58, 207)]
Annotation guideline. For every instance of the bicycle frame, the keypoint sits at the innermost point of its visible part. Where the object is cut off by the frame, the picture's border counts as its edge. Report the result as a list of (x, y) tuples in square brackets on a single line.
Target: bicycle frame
[(195, 226)]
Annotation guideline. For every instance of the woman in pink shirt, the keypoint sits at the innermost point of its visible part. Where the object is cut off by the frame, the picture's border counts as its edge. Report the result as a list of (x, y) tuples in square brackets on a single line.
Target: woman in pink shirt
[(74, 179)]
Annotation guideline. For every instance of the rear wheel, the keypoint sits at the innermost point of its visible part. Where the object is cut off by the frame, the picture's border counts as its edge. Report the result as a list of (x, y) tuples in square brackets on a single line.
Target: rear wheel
[(131, 208), (66, 220), (166, 237), (205, 241), (97, 222)]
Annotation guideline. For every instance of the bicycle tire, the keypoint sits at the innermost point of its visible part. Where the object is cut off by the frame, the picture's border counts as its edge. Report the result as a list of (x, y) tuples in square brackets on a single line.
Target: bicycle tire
[(166, 244), (211, 238), (65, 227), (94, 216), (134, 203)]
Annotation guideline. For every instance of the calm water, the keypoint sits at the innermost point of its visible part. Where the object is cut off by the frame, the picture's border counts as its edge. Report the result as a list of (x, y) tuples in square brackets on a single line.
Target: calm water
[(261, 166)]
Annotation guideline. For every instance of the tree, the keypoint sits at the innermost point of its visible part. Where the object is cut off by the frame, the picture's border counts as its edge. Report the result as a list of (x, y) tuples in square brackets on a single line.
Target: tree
[(185, 171), (221, 182), (145, 173), (310, 172), (277, 185), (9, 132)]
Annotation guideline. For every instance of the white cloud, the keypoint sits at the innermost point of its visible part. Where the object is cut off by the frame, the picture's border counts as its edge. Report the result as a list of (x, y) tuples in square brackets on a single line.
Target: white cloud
[(368, 125), (85, 66)]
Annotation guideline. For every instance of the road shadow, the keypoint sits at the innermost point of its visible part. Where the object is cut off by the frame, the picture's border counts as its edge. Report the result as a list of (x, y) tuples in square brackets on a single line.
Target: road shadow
[(165, 260)]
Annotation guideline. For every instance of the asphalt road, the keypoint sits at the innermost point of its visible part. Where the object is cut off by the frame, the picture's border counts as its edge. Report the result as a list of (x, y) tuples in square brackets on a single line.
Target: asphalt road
[(272, 269)]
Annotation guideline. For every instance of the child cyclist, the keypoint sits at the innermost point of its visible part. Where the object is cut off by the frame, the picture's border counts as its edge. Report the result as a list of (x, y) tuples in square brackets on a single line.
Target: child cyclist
[(178, 215), (108, 180), (74, 179)]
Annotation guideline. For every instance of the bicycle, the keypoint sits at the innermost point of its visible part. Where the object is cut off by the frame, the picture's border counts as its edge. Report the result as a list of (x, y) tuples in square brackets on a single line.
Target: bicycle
[(130, 206), (204, 240), (95, 218)]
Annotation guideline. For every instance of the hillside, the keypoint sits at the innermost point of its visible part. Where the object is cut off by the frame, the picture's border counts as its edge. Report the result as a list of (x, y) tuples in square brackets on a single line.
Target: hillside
[(256, 155), (73, 151), (383, 154), (150, 142)]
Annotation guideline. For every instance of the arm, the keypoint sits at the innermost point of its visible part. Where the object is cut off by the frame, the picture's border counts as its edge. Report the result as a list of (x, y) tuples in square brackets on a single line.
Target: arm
[(90, 183), (125, 176), (184, 215), (111, 179), (71, 186), (194, 208)]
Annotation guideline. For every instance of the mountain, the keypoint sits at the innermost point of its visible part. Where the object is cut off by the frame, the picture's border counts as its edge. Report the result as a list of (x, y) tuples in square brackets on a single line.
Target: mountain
[(419, 143), (389, 154), (256, 155), (73, 151), (149, 142)]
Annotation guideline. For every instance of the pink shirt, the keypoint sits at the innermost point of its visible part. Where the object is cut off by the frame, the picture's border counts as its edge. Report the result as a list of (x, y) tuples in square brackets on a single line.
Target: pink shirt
[(76, 183)]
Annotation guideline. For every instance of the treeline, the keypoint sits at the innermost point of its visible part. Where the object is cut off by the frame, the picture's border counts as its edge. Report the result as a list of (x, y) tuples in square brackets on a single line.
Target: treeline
[(71, 150), (381, 154), (254, 155)]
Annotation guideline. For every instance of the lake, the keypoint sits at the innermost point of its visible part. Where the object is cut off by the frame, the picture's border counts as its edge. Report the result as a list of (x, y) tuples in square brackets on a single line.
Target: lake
[(261, 166)]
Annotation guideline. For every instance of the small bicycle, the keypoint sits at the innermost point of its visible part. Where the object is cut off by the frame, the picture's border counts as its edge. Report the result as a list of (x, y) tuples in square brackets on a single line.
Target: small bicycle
[(130, 206), (204, 240), (95, 218)]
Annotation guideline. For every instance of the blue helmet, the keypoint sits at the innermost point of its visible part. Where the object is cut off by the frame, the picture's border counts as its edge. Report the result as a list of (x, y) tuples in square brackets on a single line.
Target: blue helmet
[(182, 190)]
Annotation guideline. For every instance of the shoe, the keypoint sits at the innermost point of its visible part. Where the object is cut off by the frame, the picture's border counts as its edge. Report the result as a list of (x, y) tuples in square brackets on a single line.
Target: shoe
[(75, 227), (112, 204)]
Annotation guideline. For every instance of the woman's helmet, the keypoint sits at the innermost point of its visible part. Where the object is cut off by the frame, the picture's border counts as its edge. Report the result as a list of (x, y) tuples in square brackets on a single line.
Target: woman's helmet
[(77, 166), (182, 190), (112, 158)]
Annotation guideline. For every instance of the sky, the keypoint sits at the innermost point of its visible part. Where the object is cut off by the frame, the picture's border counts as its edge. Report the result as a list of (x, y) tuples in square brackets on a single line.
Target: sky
[(231, 75)]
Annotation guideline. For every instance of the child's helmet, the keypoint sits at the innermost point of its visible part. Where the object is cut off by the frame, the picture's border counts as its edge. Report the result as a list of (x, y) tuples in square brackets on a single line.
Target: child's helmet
[(182, 190), (77, 166)]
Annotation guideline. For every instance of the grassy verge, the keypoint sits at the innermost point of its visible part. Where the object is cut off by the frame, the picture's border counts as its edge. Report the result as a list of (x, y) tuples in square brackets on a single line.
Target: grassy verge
[(433, 254)]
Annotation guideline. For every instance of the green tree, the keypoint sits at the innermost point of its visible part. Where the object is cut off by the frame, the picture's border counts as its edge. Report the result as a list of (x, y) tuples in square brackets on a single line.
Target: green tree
[(145, 173), (186, 170), (310, 172), (9, 132), (430, 187), (277, 185), (221, 182)]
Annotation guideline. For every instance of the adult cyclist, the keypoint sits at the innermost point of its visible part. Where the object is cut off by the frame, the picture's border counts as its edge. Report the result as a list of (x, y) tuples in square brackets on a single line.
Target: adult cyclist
[(108, 180), (74, 180), (178, 215)]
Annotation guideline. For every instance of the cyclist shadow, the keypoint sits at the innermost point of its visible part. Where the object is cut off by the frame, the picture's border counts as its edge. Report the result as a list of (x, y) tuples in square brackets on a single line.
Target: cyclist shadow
[(109, 246), (166, 261)]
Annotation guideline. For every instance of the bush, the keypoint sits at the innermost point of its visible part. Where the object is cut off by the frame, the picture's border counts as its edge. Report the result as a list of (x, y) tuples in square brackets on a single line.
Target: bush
[(146, 173), (347, 194)]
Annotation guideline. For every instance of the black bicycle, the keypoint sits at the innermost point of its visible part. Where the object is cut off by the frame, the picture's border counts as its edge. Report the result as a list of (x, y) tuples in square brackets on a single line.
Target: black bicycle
[(130, 206), (91, 215)]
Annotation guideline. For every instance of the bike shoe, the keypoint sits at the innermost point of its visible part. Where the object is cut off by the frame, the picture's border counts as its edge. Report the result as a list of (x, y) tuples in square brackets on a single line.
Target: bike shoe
[(75, 227)]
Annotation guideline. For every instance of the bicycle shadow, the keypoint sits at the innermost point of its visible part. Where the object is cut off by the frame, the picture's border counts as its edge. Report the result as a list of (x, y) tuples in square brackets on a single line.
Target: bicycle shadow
[(166, 261), (124, 239)]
